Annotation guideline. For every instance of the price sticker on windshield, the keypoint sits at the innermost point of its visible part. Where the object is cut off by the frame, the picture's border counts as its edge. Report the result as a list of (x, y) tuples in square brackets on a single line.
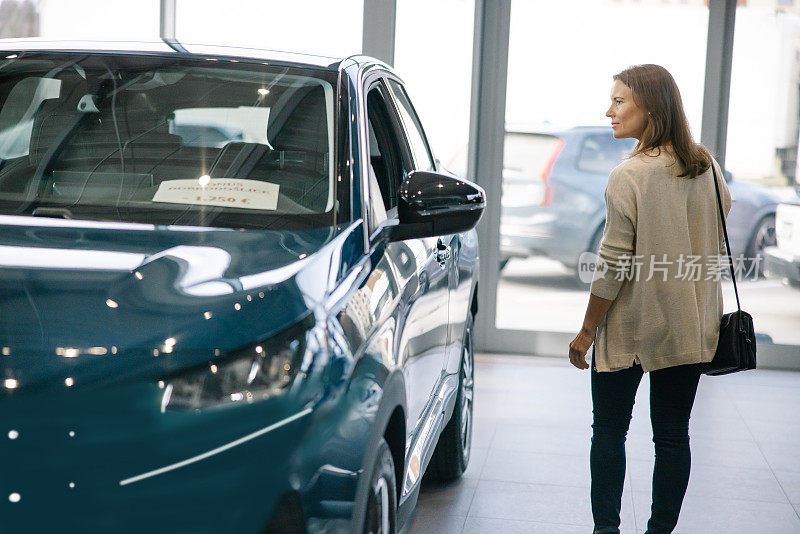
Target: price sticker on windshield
[(224, 192)]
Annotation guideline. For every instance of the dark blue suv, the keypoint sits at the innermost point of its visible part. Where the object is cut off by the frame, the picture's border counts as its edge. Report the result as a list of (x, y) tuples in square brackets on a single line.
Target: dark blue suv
[(236, 293)]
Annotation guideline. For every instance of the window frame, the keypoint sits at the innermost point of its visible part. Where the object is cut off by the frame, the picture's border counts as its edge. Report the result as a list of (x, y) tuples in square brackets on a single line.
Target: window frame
[(381, 89), (412, 111), (377, 78)]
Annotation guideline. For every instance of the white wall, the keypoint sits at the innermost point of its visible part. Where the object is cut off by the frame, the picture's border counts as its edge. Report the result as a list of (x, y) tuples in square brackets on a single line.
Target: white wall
[(114, 20), (307, 26)]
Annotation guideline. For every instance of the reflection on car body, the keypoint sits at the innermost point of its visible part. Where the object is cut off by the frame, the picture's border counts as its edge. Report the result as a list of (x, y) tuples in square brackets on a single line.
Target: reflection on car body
[(180, 355)]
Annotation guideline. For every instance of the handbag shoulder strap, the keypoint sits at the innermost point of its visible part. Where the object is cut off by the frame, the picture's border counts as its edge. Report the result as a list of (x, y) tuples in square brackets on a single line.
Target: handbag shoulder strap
[(725, 232)]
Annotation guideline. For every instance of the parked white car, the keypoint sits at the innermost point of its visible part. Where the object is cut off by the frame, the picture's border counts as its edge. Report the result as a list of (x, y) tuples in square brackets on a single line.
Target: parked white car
[(783, 260)]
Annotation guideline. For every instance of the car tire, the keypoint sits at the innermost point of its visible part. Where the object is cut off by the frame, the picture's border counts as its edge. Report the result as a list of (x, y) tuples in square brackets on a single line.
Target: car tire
[(451, 456), (381, 508), (763, 236)]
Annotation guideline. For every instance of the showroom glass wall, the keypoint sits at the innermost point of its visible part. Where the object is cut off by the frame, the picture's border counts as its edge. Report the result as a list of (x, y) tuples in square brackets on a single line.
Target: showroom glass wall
[(438, 77), (762, 141), (558, 80), (555, 169)]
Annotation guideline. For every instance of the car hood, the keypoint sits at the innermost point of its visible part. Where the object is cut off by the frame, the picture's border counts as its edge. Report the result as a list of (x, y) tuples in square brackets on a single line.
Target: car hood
[(792, 199), (91, 301)]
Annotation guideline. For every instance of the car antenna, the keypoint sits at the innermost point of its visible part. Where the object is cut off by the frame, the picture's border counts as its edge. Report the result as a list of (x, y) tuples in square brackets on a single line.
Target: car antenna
[(168, 15)]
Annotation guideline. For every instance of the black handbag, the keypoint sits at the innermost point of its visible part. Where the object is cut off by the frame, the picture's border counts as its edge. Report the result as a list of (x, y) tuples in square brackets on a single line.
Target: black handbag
[(736, 348)]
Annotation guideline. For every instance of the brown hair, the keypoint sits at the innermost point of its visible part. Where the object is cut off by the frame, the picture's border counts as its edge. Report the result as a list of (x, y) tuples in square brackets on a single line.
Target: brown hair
[(655, 92)]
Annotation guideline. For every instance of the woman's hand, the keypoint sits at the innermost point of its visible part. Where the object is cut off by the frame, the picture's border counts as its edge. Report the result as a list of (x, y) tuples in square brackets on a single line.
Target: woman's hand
[(578, 348), (595, 312)]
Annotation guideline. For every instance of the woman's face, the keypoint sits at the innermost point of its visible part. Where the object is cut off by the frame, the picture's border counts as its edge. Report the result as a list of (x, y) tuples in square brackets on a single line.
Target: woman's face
[(627, 119)]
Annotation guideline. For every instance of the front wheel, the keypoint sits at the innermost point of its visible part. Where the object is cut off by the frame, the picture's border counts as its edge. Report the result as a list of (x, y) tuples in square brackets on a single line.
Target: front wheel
[(380, 517), (763, 237), (451, 456)]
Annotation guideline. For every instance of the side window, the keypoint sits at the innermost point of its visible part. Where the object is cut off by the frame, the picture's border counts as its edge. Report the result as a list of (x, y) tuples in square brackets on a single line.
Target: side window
[(601, 153), (386, 169), (416, 137)]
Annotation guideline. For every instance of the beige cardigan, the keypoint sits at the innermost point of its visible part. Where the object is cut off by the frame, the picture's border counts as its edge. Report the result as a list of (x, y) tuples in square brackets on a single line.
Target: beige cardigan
[(668, 230)]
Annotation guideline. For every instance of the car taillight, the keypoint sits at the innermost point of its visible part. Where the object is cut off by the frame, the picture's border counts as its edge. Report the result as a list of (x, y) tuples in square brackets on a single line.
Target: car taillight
[(548, 168)]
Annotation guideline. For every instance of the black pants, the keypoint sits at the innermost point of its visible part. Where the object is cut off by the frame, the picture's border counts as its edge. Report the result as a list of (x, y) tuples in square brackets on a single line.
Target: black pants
[(672, 392)]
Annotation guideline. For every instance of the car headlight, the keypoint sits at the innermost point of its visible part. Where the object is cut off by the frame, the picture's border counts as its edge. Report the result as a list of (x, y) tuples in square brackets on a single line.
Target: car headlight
[(247, 375)]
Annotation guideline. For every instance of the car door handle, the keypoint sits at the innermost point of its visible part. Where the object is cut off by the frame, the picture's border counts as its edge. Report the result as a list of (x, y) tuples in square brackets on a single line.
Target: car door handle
[(442, 254)]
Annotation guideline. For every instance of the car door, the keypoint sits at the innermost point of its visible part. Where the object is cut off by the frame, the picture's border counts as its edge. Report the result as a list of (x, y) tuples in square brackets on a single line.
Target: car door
[(421, 267), (447, 245)]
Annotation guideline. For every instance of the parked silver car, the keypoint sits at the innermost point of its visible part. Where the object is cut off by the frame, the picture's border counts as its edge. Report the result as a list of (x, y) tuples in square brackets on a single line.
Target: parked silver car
[(553, 196)]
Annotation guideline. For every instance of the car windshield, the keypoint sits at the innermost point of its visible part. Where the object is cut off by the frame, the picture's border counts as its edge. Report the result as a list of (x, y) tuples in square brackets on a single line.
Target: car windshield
[(157, 140)]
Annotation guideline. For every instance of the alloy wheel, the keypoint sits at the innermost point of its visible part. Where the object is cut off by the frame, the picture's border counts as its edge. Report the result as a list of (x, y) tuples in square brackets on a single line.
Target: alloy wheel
[(467, 394), (763, 238), (378, 508)]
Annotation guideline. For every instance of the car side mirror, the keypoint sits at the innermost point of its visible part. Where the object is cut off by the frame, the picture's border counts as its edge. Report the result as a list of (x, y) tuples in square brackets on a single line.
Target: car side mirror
[(431, 204)]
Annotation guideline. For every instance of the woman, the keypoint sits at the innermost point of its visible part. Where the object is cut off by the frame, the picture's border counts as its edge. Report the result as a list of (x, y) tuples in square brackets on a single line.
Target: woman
[(656, 300)]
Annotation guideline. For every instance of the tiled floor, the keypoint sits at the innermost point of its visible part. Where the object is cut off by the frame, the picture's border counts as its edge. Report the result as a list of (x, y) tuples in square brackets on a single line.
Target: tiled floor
[(529, 471)]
